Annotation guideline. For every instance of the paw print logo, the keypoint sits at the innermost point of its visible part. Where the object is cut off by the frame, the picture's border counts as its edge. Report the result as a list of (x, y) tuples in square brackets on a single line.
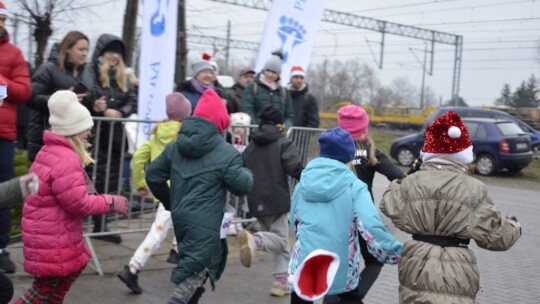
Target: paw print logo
[(291, 33)]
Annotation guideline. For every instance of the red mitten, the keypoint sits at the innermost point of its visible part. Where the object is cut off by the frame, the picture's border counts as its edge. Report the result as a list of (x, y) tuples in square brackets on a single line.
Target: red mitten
[(117, 203)]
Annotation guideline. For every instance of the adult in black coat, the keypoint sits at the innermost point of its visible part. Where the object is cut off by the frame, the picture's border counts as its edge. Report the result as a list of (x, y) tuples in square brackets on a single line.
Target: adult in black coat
[(112, 96), (65, 69), (234, 94), (306, 110)]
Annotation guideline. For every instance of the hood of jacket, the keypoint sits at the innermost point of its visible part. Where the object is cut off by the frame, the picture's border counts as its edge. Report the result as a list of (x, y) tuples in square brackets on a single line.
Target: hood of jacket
[(167, 131), (198, 137), (297, 92), (324, 179), (101, 44), (265, 134)]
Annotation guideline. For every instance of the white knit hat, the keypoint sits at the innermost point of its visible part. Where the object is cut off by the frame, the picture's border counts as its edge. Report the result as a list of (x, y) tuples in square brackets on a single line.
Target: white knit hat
[(68, 116), (240, 118)]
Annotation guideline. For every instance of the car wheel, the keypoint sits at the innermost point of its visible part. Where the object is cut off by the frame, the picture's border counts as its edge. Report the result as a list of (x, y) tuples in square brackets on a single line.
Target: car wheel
[(485, 165), (405, 157)]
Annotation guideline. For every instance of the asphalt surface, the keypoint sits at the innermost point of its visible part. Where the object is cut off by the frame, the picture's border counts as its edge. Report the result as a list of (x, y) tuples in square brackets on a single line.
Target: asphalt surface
[(506, 277)]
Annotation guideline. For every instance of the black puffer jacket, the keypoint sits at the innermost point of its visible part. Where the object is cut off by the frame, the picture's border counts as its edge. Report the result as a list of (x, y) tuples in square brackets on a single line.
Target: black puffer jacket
[(306, 110), (271, 157), (125, 102), (48, 79)]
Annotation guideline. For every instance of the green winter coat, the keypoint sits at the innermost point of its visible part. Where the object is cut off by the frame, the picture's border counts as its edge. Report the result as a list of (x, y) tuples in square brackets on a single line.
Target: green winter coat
[(201, 167), (254, 100)]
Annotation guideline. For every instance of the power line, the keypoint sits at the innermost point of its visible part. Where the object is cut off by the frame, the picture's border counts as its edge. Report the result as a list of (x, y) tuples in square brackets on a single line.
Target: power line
[(404, 5), (531, 19), (457, 8)]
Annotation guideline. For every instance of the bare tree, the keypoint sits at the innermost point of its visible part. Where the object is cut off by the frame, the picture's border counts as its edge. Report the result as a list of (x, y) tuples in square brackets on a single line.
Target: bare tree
[(430, 97), (43, 13), (404, 92)]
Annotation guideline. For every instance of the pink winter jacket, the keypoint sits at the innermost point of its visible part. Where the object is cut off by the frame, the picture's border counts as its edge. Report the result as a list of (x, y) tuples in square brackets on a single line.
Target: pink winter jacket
[(52, 222)]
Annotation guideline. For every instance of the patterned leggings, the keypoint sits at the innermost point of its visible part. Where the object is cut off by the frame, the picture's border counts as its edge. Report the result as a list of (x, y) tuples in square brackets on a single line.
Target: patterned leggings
[(51, 290)]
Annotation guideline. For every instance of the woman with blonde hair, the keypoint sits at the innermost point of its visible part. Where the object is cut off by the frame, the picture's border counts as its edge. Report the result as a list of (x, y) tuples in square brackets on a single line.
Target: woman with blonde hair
[(112, 96), (65, 69)]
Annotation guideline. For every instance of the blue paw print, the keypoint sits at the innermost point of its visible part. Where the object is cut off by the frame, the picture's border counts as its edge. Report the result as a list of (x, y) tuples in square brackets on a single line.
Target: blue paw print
[(291, 34)]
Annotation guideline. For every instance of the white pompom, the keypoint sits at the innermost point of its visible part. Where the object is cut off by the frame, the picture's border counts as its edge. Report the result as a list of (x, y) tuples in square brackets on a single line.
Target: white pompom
[(454, 132)]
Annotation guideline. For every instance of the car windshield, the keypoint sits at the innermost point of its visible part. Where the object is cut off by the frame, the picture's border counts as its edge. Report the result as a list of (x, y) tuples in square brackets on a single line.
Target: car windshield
[(509, 128)]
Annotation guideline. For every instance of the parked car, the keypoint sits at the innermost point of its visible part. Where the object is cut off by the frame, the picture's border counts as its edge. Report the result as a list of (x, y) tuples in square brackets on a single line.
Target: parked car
[(464, 112), (497, 145)]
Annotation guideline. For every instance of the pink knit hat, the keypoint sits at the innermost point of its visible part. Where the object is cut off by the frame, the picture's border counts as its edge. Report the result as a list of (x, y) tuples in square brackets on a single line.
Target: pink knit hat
[(178, 106), (353, 119)]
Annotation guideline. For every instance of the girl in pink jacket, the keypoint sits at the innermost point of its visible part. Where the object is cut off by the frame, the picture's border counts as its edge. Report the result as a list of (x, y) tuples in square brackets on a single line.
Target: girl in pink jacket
[(52, 222)]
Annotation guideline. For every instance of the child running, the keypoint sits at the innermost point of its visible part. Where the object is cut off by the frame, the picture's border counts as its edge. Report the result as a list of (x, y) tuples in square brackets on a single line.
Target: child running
[(178, 108), (331, 209), (201, 167), (271, 157), (52, 222), (443, 207)]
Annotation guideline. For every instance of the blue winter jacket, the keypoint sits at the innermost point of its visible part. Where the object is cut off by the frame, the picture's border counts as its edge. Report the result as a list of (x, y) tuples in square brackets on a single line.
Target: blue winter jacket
[(331, 208)]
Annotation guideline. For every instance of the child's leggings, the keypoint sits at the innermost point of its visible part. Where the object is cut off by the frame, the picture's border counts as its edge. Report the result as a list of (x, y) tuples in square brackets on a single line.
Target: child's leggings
[(154, 238), (50, 290), (346, 298)]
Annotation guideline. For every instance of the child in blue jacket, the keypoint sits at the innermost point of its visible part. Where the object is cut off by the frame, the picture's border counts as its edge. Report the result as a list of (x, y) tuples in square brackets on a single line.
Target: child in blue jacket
[(331, 209)]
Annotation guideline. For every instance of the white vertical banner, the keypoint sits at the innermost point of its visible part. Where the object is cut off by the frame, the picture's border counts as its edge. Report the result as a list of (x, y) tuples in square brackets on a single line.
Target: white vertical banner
[(158, 58), (291, 27)]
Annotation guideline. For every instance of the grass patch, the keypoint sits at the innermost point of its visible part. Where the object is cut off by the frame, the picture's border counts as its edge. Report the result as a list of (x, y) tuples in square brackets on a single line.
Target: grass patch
[(22, 164)]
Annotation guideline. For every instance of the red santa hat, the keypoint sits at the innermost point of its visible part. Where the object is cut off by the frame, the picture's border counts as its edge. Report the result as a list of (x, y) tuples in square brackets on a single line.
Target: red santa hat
[(315, 275), (448, 135), (3, 86), (3, 9), (208, 57), (297, 70)]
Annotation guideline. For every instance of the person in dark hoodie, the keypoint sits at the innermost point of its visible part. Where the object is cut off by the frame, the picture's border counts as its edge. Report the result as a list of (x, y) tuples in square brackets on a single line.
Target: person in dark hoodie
[(306, 110), (271, 157), (65, 70), (266, 89), (201, 168), (234, 94), (112, 96)]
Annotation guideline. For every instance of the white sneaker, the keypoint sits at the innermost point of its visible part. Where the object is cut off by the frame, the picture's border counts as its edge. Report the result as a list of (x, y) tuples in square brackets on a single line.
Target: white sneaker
[(232, 230), (247, 247)]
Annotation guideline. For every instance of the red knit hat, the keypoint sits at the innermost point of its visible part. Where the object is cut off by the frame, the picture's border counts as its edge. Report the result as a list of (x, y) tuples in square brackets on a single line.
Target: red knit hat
[(448, 135), (297, 71), (211, 107), (3, 9)]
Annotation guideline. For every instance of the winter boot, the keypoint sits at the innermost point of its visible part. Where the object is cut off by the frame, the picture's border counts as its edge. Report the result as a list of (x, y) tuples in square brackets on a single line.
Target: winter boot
[(130, 279), (6, 265)]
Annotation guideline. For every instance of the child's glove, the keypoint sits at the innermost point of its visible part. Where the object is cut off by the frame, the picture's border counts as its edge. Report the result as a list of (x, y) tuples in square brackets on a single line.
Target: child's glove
[(117, 203), (143, 191), (415, 166), (29, 184)]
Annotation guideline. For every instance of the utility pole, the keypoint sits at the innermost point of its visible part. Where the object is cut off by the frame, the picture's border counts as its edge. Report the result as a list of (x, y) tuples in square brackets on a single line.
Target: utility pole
[(181, 47), (228, 48), (423, 78), (128, 31)]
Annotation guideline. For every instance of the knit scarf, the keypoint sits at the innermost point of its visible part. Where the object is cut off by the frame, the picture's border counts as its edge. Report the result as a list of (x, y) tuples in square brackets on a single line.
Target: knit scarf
[(200, 87), (272, 85)]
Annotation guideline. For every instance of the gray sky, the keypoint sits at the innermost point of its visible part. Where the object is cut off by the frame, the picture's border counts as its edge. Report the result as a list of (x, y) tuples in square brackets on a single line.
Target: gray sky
[(501, 38)]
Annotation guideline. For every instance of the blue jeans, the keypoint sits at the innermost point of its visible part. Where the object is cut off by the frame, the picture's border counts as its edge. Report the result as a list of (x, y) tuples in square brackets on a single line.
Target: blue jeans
[(7, 170)]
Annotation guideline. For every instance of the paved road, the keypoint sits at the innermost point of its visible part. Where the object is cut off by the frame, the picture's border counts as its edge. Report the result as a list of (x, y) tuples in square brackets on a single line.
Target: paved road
[(506, 277)]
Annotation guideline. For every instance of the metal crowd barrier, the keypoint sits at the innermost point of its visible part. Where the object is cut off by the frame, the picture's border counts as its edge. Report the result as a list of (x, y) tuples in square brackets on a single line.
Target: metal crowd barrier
[(142, 209)]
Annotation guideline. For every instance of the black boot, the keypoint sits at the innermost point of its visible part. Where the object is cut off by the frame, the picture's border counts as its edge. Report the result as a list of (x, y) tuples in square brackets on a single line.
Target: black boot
[(6, 265), (174, 257), (100, 225), (131, 280)]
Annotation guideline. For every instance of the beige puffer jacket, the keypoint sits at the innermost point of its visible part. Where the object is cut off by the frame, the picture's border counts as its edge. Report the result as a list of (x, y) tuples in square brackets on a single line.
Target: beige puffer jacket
[(443, 200)]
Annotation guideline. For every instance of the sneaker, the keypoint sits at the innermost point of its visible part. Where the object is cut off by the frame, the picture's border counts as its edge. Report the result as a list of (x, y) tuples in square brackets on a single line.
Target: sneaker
[(232, 231), (130, 279), (6, 265), (247, 247), (279, 290), (174, 257)]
